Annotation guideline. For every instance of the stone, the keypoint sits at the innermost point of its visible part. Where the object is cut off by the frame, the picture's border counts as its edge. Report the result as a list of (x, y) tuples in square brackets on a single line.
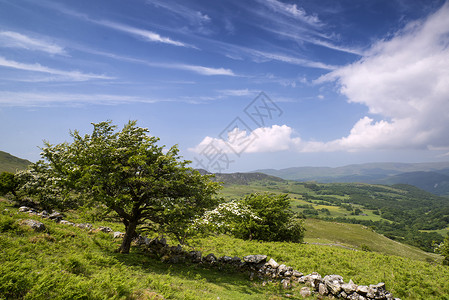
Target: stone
[(305, 292), (43, 214), (225, 259), (84, 226), (195, 256), (33, 224), (210, 258), (313, 279), (255, 259), (333, 283), (349, 288), (106, 229), (56, 216), (286, 284), (362, 290), (297, 274), (64, 222), (282, 269), (24, 209), (322, 289), (272, 263), (118, 234)]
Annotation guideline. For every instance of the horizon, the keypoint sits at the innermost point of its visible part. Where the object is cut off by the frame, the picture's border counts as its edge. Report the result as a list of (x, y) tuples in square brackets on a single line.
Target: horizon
[(239, 86)]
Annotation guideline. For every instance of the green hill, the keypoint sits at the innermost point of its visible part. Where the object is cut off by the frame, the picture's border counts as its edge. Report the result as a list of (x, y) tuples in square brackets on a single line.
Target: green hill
[(10, 163), (66, 262)]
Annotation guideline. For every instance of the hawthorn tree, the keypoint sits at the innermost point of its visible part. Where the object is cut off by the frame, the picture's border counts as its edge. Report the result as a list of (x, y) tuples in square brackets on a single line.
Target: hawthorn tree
[(127, 172)]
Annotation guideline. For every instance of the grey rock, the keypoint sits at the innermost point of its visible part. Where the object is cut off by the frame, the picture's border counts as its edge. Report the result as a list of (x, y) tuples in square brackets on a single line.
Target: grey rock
[(322, 289), (286, 284), (333, 283), (33, 224), (362, 290), (43, 214), (255, 259), (225, 259), (272, 263), (195, 256), (297, 274), (24, 209), (305, 292), (350, 287), (282, 269), (84, 226), (108, 229), (65, 222), (57, 216), (118, 234), (210, 258)]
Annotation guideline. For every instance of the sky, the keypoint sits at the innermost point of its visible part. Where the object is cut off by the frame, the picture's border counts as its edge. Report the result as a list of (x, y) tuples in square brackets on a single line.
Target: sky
[(237, 85)]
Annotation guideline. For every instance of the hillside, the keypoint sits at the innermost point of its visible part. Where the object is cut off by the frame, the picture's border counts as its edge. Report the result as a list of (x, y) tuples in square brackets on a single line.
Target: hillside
[(401, 212), (10, 163), (66, 262), (431, 177)]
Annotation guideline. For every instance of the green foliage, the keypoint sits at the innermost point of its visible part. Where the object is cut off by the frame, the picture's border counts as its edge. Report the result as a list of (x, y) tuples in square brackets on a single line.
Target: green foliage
[(126, 172), (443, 249), (8, 183), (276, 222)]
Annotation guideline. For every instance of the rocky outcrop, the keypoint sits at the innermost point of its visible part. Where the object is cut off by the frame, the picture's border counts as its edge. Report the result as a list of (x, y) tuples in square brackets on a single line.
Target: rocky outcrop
[(33, 224)]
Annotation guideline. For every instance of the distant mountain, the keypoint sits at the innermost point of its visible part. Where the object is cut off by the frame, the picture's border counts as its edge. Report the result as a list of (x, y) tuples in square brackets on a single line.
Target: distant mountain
[(432, 177), (10, 163)]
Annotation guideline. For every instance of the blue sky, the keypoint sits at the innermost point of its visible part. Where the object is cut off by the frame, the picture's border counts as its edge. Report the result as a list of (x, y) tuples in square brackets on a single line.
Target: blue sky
[(238, 85)]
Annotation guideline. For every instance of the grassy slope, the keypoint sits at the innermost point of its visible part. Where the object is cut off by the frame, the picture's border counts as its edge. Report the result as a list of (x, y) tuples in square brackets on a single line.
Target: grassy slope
[(69, 263), (9, 163), (349, 235)]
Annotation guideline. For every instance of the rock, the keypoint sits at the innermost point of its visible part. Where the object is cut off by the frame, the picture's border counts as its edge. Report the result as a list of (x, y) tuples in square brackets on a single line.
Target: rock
[(84, 226), (24, 209), (43, 214), (322, 289), (305, 292), (118, 234), (282, 269), (66, 223), (195, 256), (350, 287), (225, 259), (288, 274), (108, 229), (286, 284), (272, 263), (255, 259), (333, 283), (313, 279), (56, 216), (362, 290), (33, 224), (210, 258), (297, 274)]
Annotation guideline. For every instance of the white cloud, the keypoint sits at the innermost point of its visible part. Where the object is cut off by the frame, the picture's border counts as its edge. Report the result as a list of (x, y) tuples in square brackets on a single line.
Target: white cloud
[(264, 139), (291, 10), (24, 99), (403, 80), (18, 40), (63, 75), (145, 34), (201, 70)]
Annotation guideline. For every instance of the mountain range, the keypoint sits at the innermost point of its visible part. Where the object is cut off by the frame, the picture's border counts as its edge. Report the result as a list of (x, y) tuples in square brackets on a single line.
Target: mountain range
[(431, 177)]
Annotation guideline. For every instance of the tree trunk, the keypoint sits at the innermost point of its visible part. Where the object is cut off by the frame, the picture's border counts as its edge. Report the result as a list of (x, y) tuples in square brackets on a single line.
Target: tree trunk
[(129, 235)]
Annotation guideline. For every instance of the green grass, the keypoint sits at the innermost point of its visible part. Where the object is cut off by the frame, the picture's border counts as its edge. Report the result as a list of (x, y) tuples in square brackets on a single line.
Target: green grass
[(66, 262)]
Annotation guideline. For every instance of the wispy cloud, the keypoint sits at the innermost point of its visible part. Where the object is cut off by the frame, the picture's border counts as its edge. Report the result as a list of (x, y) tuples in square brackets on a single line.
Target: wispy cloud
[(20, 99), (142, 33), (17, 40), (195, 17), (66, 75), (292, 11)]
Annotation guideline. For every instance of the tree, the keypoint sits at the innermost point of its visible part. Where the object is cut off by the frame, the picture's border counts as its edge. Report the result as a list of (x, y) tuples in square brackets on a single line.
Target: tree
[(8, 183), (443, 249), (127, 172), (275, 222)]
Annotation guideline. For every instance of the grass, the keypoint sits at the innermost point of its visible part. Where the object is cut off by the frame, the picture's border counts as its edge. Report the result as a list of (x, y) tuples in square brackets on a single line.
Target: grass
[(66, 262)]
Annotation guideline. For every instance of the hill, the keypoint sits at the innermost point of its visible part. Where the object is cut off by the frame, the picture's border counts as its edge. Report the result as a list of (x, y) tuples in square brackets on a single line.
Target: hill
[(245, 178), (431, 177), (10, 163), (67, 262)]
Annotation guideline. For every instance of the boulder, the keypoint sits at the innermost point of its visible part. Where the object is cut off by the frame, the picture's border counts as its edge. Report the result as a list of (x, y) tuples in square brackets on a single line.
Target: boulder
[(108, 229), (362, 290), (210, 258), (24, 209), (67, 222), (84, 226), (322, 289), (33, 224), (333, 283), (56, 216), (195, 256)]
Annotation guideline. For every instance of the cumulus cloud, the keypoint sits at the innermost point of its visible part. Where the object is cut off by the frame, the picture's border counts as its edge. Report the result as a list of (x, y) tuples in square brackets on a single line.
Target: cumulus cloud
[(263, 139), (405, 82)]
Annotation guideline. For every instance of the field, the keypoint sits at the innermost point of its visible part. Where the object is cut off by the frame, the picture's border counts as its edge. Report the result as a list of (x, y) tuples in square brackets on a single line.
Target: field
[(66, 262)]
